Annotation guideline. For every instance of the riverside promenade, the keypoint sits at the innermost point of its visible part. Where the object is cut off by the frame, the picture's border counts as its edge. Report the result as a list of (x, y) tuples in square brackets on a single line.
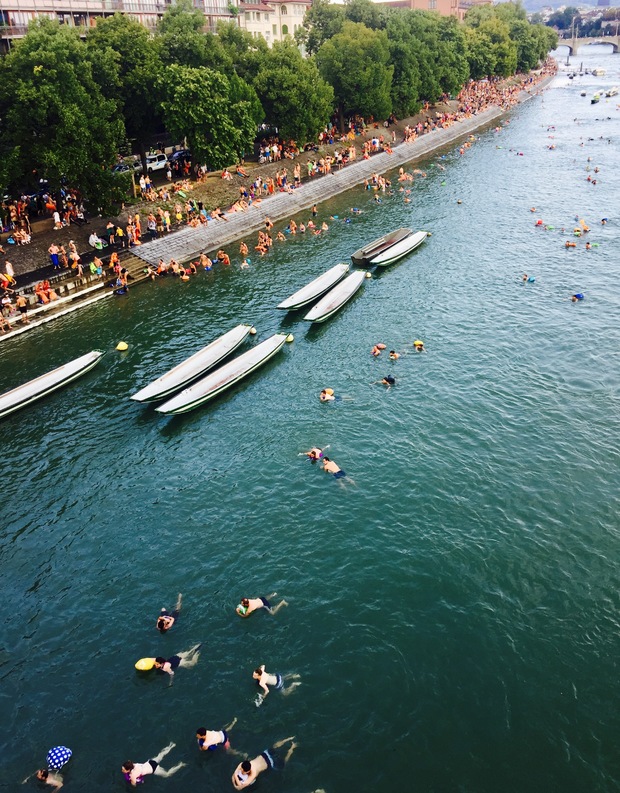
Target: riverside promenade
[(188, 243)]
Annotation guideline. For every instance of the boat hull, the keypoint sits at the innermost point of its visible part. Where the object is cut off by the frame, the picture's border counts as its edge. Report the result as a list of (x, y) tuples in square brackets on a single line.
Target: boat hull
[(45, 384), (401, 249), (223, 378), (194, 367), (315, 288), (335, 299), (364, 256)]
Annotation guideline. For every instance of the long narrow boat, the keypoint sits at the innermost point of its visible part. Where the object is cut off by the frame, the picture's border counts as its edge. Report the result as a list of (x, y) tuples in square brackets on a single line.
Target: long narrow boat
[(612, 91), (36, 389), (224, 377), (336, 298), (364, 256), (194, 367), (315, 288), (400, 249)]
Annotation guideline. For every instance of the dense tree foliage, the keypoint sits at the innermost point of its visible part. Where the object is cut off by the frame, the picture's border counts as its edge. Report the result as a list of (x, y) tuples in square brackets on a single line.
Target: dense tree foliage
[(56, 122), (67, 105)]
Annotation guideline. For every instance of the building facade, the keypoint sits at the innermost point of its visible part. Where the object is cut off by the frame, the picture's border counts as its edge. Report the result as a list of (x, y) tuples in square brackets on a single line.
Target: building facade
[(447, 8), (273, 21)]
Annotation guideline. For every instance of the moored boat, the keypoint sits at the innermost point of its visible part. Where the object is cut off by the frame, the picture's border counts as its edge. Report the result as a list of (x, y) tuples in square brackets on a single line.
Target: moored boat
[(223, 377), (598, 71), (315, 288), (596, 98), (400, 249), (612, 91), (336, 297), (364, 256), (41, 386), (193, 367)]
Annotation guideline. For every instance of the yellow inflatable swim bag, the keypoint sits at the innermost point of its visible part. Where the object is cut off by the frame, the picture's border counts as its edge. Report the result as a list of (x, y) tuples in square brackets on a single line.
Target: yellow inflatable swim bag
[(329, 391), (144, 664)]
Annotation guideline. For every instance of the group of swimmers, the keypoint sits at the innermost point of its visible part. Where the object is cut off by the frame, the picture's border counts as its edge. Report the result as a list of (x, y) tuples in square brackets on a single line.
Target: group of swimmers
[(248, 770)]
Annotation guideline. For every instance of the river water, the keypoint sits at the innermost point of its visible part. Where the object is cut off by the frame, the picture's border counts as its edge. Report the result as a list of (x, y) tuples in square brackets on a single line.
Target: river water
[(453, 614)]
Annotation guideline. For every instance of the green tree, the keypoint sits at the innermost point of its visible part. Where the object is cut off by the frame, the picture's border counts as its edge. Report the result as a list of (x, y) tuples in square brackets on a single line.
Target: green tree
[(356, 64), (321, 22), (126, 65), (198, 104), (245, 53), (406, 81), (504, 49), (480, 53), (182, 41), (370, 14), (295, 97), (56, 123)]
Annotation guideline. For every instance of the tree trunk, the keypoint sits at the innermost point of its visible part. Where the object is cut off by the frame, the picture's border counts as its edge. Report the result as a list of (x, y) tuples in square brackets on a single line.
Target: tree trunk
[(341, 118)]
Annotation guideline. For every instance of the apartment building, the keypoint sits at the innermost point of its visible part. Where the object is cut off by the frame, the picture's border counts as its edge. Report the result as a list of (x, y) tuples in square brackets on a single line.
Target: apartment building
[(272, 19), (447, 8)]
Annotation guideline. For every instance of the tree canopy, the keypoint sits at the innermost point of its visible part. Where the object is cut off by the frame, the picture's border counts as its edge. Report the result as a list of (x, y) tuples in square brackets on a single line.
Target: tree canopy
[(67, 105)]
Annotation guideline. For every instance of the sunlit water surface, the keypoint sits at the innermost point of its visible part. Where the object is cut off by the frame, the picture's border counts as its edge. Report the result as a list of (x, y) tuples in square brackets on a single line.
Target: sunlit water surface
[(454, 613)]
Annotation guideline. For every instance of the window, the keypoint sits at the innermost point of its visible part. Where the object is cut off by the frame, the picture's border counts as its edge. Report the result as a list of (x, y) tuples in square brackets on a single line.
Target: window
[(284, 30), (432, 4), (257, 16), (274, 28), (283, 10)]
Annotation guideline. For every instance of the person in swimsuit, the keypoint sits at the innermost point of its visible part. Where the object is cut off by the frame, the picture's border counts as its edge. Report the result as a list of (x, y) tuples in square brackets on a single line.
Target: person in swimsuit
[(332, 468), (394, 356), (211, 740), (315, 453), (166, 619), (324, 396), (134, 773), (49, 778), (248, 605), (266, 679), (187, 659), (389, 380), (247, 772)]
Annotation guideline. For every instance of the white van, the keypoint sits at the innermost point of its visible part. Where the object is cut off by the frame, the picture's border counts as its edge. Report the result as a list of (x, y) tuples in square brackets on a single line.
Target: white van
[(156, 162)]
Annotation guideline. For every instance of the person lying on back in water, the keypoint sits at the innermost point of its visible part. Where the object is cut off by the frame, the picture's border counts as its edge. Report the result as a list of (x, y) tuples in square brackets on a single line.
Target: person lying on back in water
[(166, 619), (248, 605)]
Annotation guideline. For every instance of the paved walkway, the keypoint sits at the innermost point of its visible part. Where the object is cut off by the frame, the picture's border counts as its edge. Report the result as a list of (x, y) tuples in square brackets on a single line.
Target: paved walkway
[(188, 243)]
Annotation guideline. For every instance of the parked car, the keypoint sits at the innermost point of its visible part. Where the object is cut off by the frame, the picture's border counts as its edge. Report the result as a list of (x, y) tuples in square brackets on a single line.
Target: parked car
[(128, 165), (180, 155), (156, 162)]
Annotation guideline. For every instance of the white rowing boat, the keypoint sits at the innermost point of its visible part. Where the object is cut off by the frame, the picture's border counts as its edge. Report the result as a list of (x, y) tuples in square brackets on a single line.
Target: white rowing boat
[(224, 377), (315, 288), (364, 256), (400, 249), (336, 298), (36, 389), (612, 91), (193, 367)]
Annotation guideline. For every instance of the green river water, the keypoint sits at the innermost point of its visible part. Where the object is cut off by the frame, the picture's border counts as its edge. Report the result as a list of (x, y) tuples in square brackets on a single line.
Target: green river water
[(454, 613)]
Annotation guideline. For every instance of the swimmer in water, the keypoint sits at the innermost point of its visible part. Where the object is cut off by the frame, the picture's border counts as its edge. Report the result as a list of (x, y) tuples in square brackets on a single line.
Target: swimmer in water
[(588, 246), (211, 740), (389, 380), (315, 453), (377, 349), (394, 356), (186, 659), (249, 605), (418, 346), (324, 396), (248, 771), (166, 619), (332, 468), (245, 264), (266, 679), (577, 297), (134, 773), (48, 777)]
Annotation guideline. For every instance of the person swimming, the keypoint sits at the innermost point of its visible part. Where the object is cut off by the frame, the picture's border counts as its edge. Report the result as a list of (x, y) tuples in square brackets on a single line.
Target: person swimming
[(577, 296), (185, 659), (211, 740), (327, 395), (248, 605), (134, 773), (265, 679), (248, 771), (333, 468), (418, 345), (315, 453), (389, 380), (166, 619), (394, 356)]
